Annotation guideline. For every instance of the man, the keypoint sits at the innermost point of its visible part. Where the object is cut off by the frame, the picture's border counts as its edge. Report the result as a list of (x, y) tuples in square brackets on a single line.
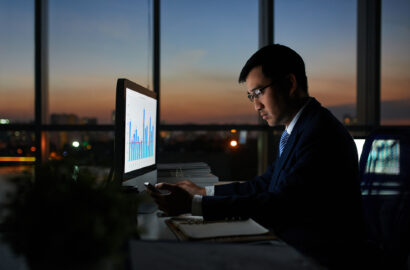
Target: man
[(310, 196)]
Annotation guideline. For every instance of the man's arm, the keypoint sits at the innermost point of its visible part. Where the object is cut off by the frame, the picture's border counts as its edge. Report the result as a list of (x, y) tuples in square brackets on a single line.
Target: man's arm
[(304, 186), (257, 185)]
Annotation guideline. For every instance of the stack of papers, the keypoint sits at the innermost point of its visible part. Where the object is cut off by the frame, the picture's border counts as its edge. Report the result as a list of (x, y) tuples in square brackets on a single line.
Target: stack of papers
[(197, 172)]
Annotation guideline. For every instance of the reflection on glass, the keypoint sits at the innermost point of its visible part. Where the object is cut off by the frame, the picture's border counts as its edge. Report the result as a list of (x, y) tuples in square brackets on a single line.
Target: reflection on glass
[(92, 44), (324, 34), (395, 63), (204, 47), (16, 61)]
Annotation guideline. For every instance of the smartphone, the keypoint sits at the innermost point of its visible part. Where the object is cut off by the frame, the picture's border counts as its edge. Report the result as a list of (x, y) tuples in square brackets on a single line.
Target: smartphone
[(152, 188)]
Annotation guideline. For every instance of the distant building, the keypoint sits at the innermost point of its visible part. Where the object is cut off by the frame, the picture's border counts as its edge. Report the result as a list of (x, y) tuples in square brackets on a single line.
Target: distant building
[(64, 119)]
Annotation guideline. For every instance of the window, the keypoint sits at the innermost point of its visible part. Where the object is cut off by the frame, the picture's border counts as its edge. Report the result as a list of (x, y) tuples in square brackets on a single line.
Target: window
[(92, 148), (17, 146), (17, 61), (232, 155), (204, 47), (395, 63), (324, 34), (92, 44)]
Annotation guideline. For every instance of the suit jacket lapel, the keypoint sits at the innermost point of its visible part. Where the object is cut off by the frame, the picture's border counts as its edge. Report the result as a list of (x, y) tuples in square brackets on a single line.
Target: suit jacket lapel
[(294, 136)]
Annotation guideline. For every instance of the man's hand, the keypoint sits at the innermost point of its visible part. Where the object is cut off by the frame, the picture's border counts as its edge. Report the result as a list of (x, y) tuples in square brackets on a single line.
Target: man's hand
[(177, 202), (191, 188)]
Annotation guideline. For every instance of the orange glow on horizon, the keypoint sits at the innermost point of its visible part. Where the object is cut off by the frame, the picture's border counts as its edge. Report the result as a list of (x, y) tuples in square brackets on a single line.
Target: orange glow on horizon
[(201, 102)]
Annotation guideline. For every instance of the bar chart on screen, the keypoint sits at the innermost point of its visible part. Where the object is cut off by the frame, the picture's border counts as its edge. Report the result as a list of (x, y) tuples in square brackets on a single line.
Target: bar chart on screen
[(140, 131), (140, 147)]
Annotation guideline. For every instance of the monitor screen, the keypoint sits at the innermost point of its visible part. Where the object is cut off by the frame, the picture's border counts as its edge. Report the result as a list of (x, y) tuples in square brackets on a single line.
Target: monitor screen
[(140, 130), (135, 130)]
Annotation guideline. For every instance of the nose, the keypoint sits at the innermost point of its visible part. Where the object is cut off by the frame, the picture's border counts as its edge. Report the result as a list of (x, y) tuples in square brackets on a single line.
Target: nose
[(257, 104)]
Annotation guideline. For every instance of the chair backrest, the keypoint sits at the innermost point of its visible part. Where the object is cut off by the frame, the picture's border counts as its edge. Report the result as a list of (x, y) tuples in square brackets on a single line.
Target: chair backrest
[(385, 182)]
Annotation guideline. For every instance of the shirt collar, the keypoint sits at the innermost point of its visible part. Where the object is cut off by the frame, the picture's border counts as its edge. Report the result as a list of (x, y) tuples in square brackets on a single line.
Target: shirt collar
[(295, 119)]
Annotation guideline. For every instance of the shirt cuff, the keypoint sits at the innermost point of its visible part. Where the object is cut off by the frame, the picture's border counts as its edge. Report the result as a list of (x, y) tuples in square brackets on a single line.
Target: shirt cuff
[(210, 190), (196, 205)]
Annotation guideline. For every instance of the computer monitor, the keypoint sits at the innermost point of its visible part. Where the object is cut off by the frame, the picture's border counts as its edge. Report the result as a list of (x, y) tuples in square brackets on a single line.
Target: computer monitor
[(135, 134)]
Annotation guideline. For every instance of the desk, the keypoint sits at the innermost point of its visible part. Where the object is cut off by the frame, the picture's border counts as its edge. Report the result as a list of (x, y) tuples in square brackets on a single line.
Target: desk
[(167, 252), (181, 256), (153, 227)]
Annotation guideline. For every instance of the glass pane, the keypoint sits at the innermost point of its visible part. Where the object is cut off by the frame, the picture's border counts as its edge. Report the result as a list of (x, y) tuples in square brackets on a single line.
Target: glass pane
[(395, 63), (204, 47), (92, 44), (324, 33), (231, 155), (17, 147), (93, 148), (17, 61)]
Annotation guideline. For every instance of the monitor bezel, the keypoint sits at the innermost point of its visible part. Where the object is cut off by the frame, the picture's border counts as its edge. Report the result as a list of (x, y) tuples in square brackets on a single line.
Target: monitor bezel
[(119, 146)]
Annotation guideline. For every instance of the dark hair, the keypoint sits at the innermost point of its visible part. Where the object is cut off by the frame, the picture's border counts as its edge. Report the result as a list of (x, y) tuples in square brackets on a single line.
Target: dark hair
[(277, 62)]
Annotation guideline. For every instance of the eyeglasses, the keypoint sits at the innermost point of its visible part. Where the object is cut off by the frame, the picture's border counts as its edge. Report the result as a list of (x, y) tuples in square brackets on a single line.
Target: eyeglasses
[(256, 93)]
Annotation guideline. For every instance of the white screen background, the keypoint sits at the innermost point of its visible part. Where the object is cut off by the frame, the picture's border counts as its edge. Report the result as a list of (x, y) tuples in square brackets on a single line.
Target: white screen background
[(134, 107)]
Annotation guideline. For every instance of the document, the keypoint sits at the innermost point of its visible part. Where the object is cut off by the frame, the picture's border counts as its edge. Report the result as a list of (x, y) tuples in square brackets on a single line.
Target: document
[(195, 228)]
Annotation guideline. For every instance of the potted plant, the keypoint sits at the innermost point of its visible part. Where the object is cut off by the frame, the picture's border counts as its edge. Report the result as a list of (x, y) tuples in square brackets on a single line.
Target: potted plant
[(67, 219)]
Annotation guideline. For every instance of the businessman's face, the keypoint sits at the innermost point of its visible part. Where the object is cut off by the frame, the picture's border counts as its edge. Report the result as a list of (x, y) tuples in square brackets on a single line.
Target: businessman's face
[(271, 104)]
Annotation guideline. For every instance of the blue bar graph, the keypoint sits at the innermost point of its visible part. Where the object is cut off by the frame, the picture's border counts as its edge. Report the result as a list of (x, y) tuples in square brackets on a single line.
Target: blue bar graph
[(141, 147)]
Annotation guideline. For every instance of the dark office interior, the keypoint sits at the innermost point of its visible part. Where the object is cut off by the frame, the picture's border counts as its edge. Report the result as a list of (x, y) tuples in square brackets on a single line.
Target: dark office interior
[(60, 62)]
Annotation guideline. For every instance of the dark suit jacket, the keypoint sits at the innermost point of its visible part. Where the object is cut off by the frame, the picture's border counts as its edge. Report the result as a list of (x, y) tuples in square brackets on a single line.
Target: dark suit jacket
[(310, 196)]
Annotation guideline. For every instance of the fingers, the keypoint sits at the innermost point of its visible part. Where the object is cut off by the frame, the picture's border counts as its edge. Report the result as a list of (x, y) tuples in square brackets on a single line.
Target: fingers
[(166, 186), (183, 182)]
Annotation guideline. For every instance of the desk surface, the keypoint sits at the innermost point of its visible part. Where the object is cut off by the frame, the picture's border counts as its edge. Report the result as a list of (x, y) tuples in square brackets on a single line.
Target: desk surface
[(187, 255), (153, 227), (160, 249)]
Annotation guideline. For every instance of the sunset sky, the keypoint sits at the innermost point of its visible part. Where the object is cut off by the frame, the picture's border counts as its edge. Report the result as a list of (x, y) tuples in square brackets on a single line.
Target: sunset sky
[(204, 45)]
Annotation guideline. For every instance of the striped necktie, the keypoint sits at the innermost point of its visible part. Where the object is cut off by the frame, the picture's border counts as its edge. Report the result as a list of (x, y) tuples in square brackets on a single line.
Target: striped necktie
[(283, 139)]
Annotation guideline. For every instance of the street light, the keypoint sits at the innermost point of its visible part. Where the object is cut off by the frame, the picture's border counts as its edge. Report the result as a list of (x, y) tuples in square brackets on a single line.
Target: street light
[(76, 144)]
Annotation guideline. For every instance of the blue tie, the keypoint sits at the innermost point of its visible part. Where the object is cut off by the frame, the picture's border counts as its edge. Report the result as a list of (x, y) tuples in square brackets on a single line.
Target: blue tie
[(283, 139)]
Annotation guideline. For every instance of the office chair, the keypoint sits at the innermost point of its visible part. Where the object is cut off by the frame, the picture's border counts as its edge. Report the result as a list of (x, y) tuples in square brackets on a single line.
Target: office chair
[(385, 185)]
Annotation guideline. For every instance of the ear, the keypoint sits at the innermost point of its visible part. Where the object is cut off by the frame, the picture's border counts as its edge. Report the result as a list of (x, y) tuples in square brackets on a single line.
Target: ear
[(293, 84)]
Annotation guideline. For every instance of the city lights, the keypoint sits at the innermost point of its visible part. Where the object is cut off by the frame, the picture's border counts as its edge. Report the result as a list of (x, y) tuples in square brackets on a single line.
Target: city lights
[(233, 143), (76, 144), (17, 159)]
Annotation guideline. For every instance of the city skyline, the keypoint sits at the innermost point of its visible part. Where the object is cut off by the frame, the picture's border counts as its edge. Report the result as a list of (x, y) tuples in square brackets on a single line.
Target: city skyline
[(204, 46)]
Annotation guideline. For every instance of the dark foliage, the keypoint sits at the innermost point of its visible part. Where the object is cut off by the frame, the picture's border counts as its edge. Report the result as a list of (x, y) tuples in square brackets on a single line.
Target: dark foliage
[(67, 218)]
